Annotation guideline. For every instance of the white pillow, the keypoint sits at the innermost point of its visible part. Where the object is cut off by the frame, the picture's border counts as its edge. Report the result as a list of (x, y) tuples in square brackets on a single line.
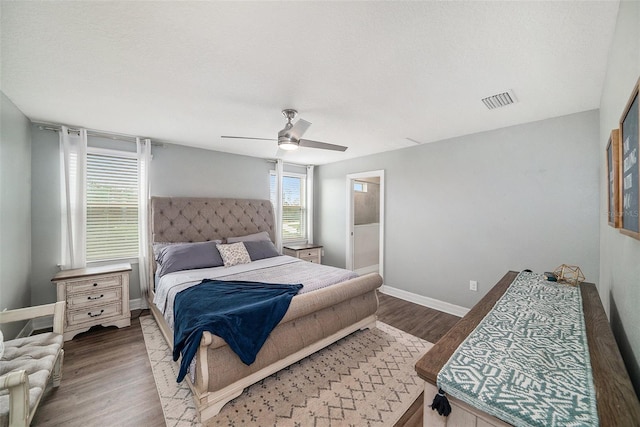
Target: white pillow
[(234, 254)]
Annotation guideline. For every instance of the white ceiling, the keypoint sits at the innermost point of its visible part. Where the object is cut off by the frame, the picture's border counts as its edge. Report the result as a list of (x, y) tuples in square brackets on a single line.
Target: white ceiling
[(368, 75)]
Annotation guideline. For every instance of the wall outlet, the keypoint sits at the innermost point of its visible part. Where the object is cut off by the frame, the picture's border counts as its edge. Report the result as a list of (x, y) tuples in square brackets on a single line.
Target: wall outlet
[(473, 285)]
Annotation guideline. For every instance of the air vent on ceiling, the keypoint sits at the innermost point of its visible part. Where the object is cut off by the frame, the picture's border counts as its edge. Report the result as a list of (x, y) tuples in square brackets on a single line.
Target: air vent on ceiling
[(499, 100)]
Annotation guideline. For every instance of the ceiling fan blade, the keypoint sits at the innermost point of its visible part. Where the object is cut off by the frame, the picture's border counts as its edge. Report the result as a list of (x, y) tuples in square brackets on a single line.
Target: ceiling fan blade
[(298, 129), (248, 137), (323, 145)]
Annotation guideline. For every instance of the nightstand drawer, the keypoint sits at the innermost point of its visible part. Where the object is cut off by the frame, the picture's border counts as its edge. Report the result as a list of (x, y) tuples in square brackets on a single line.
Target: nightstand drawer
[(309, 253), (100, 296), (93, 314), (306, 252), (97, 283)]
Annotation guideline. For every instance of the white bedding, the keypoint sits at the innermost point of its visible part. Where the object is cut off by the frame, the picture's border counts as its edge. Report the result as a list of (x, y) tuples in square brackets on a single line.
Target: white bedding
[(280, 269)]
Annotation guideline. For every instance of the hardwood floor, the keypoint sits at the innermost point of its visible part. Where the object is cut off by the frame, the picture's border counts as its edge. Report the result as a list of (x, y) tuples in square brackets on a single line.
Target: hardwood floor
[(417, 320), (107, 378), (106, 381)]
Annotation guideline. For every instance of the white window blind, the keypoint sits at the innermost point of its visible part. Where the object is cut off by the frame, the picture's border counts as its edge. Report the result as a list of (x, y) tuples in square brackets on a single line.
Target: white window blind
[(294, 212), (112, 206)]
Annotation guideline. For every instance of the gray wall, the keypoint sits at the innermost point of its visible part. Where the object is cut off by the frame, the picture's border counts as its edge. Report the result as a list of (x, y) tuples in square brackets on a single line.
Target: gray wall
[(175, 171), (184, 171), (46, 220), (15, 211), (619, 254), (473, 207)]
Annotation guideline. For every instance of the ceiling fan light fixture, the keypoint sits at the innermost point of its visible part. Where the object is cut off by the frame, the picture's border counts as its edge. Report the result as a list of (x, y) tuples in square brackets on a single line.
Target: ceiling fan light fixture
[(287, 145)]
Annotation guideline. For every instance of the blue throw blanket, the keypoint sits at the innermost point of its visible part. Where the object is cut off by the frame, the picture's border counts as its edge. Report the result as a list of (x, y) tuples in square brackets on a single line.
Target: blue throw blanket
[(241, 313)]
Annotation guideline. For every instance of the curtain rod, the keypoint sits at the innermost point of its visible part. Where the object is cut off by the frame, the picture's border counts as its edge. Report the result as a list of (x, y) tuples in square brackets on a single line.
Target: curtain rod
[(93, 132)]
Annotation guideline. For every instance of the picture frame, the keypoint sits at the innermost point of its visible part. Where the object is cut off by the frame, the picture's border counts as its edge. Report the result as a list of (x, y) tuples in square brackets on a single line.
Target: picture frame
[(614, 206), (629, 171)]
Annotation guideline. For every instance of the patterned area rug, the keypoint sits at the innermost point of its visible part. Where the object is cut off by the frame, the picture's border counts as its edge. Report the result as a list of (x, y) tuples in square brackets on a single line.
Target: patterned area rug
[(367, 378)]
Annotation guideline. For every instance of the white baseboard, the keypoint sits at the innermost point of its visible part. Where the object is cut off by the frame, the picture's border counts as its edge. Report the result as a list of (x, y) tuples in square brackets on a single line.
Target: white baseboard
[(367, 269), (435, 304)]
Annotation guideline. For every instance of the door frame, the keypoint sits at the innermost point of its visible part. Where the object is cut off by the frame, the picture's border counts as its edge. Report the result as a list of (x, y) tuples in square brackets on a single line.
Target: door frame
[(350, 217)]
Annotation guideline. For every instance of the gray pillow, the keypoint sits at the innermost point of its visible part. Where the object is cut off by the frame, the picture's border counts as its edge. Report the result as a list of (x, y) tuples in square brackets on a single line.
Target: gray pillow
[(261, 249), (188, 256), (158, 246), (263, 235)]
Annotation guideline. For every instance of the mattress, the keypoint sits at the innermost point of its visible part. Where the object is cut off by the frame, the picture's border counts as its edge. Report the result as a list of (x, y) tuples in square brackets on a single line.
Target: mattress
[(281, 269)]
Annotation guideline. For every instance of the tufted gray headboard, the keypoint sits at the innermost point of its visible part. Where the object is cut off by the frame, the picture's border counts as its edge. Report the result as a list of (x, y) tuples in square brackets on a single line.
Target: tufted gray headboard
[(187, 219)]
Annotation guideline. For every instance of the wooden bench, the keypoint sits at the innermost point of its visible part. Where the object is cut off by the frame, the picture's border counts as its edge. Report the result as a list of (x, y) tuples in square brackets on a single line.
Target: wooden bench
[(616, 400), (28, 363)]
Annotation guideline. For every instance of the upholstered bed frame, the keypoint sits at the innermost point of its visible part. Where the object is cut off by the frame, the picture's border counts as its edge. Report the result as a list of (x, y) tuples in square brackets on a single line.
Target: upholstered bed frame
[(313, 321)]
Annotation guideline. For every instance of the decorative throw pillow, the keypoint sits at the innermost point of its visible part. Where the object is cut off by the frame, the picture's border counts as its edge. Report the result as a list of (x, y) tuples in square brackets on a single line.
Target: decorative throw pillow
[(188, 256), (261, 249), (263, 235), (234, 254)]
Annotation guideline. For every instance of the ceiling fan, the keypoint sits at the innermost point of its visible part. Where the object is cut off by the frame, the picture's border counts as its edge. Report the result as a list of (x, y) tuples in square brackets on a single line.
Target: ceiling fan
[(290, 138)]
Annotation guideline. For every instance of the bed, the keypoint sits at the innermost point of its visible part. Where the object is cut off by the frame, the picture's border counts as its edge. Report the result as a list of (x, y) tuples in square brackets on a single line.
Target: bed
[(313, 320), (616, 401)]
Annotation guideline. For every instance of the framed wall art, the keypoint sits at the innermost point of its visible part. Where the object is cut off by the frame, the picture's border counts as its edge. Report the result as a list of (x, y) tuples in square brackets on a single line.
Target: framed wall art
[(613, 180), (630, 178)]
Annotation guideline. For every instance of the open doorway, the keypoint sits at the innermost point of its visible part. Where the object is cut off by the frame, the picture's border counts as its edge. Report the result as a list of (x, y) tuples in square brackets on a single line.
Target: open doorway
[(365, 222)]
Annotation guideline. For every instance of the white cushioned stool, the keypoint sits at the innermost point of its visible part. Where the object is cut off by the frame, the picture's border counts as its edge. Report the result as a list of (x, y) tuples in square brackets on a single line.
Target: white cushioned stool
[(28, 363)]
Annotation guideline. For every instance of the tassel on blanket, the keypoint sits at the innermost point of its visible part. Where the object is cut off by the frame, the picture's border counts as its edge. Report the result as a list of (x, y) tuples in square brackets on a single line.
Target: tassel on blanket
[(441, 404)]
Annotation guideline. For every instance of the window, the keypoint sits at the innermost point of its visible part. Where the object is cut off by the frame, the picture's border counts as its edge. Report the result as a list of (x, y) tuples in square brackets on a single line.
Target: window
[(360, 187), (112, 205), (294, 212)]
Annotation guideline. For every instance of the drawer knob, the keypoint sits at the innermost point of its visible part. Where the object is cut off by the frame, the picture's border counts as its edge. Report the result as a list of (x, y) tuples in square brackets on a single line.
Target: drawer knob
[(92, 298), (97, 314), (95, 284)]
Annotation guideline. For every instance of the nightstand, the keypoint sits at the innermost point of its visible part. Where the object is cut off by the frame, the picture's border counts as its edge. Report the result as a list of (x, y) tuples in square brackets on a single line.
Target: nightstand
[(307, 252), (94, 296)]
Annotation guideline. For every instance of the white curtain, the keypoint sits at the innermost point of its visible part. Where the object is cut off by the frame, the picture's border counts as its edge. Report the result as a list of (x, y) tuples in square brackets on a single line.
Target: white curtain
[(144, 165), (73, 156), (310, 203), (278, 206)]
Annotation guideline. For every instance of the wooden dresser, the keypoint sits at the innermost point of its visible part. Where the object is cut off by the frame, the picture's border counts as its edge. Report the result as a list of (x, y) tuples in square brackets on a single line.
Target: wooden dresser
[(616, 400), (308, 252), (94, 296)]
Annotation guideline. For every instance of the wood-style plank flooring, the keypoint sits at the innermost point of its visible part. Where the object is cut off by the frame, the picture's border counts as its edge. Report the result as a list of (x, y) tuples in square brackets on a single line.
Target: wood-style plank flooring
[(421, 322), (107, 379)]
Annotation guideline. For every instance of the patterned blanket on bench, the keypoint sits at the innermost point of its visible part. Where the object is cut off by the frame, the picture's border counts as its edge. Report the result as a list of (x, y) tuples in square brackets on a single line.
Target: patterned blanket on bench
[(527, 362)]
